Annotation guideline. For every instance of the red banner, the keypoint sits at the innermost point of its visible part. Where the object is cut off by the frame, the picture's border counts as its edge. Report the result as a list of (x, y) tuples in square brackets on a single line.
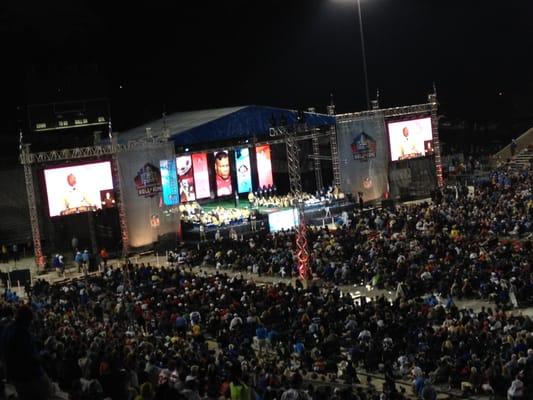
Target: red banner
[(201, 175)]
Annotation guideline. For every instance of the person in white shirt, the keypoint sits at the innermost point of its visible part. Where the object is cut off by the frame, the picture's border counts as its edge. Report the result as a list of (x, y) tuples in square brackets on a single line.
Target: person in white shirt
[(74, 197), (408, 146)]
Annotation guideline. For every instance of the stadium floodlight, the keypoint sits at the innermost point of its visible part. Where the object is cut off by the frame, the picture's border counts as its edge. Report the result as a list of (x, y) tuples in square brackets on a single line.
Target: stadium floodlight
[(357, 5)]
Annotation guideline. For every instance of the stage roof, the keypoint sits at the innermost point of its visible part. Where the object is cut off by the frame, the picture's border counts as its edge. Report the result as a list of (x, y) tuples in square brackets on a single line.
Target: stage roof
[(221, 124)]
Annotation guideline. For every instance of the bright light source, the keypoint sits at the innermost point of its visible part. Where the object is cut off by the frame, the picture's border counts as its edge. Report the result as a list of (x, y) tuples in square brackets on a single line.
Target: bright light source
[(186, 149)]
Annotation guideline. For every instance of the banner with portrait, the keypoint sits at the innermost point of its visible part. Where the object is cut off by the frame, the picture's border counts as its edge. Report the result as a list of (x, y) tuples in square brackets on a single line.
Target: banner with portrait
[(264, 165), (223, 173), (201, 175), (244, 170), (364, 156), (185, 178)]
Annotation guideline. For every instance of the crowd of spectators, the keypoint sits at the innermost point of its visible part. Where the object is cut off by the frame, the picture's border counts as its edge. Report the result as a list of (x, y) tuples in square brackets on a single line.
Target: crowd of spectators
[(138, 332), (466, 245)]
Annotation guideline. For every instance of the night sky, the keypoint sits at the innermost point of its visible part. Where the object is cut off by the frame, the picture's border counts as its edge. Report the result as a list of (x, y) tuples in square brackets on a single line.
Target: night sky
[(187, 55)]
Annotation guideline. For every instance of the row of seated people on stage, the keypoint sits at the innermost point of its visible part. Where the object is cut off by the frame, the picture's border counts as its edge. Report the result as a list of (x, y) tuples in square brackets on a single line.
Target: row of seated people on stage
[(195, 214), (333, 193)]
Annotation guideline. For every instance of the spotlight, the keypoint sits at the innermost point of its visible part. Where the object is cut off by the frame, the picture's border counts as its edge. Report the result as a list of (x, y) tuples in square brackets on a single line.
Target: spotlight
[(186, 149)]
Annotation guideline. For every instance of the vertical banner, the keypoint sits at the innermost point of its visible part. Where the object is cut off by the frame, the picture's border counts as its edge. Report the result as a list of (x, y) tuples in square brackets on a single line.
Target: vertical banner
[(264, 165), (201, 175), (223, 173), (169, 182), (244, 173), (364, 156), (141, 194), (186, 178)]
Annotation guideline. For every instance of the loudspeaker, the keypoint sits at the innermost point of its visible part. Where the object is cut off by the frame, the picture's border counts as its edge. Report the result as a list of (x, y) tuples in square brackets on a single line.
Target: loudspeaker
[(388, 203)]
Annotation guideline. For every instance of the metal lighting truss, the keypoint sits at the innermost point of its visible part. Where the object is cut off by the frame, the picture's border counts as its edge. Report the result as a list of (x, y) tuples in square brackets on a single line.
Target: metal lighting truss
[(28, 159)]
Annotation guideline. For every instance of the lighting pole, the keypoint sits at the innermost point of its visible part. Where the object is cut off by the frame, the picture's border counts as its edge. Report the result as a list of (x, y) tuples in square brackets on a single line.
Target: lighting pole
[(363, 52)]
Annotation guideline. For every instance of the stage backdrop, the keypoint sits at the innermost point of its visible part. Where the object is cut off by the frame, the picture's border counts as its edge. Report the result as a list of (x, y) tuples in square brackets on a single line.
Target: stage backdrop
[(142, 194), (364, 156)]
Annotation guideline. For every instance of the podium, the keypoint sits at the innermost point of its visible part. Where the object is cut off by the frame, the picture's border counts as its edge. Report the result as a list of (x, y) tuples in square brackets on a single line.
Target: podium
[(78, 210)]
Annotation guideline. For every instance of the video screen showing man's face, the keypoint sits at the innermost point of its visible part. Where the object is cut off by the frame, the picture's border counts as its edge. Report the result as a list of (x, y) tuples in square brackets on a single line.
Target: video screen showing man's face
[(222, 168), (223, 174)]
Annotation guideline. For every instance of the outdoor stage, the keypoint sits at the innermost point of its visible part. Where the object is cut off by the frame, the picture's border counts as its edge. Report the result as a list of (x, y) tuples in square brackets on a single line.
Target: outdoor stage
[(315, 215)]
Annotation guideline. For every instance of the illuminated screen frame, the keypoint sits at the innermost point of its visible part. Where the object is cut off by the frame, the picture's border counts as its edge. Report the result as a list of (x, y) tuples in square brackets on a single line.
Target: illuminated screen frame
[(419, 129), (91, 179), (280, 220), (243, 170), (224, 185)]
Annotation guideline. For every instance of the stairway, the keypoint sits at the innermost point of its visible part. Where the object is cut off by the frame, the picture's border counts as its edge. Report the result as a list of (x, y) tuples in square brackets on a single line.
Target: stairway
[(522, 160)]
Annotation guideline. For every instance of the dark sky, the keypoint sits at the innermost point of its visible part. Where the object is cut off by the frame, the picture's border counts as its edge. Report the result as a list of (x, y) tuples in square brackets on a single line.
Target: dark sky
[(185, 55)]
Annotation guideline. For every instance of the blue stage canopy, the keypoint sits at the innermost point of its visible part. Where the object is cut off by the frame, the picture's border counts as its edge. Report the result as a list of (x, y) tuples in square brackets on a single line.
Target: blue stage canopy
[(221, 124)]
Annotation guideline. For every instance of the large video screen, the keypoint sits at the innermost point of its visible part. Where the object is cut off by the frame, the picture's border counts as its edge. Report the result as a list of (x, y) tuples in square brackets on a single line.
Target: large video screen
[(410, 139), (283, 220), (79, 188), (264, 165), (223, 173), (169, 182), (201, 175), (186, 178), (244, 171)]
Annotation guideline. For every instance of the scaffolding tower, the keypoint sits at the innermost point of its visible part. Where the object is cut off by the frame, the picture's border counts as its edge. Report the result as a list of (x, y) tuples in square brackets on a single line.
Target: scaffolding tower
[(295, 184), (29, 159)]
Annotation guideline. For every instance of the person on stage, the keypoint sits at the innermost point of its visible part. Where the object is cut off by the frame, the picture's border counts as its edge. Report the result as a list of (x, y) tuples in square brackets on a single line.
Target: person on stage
[(74, 197), (408, 146)]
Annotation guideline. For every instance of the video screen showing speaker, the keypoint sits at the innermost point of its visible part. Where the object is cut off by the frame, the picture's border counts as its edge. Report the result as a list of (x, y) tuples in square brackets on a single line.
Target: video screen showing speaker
[(185, 178), (223, 173), (410, 138), (79, 188), (283, 220)]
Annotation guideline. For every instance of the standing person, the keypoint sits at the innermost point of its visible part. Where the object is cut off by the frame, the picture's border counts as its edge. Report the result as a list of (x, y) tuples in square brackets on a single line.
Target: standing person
[(218, 235), (74, 245), (23, 364), (78, 259), (55, 264), (86, 258), (202, 232), (104, 256), (61, 264), (15, 251), (361, 200), (514, 145), (253, 219), (5, 255)]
